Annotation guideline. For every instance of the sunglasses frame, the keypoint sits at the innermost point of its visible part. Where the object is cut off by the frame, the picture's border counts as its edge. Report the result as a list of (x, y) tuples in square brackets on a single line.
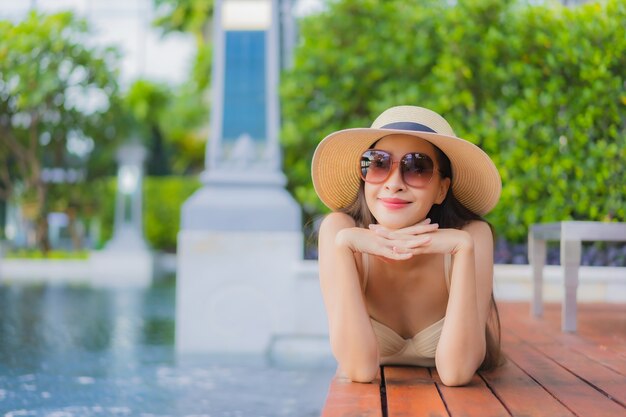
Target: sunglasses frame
[(399, 162)]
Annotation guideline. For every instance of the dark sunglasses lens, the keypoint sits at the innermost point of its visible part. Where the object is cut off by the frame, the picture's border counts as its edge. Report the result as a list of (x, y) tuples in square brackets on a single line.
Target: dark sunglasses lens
[(417, 169), (375, 166)]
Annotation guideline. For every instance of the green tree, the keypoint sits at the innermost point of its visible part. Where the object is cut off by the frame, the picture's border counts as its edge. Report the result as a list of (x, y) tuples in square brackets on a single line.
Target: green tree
[(58, 106)]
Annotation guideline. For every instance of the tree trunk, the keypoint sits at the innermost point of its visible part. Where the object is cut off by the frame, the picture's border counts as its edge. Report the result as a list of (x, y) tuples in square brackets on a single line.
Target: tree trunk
[(42, 218), (42, 234), (73, 227)]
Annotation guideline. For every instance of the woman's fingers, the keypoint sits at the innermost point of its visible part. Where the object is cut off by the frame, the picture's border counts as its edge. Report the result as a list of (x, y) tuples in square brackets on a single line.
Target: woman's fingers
[(404, 249), (421, 241), (394, 245), (398, 253), (419, 228), (407, 233)]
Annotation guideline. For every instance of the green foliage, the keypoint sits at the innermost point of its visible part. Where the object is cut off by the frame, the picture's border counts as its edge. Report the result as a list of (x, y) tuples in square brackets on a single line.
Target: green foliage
[(55, 91), (541, 88), (170, 122), (184, 123), (184, 128), (58, 106), (147, 103), (163, 198), (184, 16), (162, 201)]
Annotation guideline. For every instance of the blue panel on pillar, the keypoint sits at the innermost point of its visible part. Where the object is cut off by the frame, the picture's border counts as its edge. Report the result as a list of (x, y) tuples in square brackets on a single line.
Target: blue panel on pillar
[(244, 86)]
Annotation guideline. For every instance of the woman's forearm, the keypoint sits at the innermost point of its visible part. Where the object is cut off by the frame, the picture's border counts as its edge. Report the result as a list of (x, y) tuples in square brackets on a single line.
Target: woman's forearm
[(351, 335), (461, 347)]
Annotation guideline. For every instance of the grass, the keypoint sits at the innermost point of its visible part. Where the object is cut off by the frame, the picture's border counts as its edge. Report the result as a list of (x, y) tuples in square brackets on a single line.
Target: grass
[(38, 254)]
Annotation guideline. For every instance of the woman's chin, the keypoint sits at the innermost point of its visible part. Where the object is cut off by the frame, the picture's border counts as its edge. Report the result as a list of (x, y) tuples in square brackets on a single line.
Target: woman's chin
[(393, 224), (397, 219)]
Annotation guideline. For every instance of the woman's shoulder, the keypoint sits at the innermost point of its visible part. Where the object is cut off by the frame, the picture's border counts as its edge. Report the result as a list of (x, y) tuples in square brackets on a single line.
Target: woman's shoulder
[(478, 226), (480, 231), (336, 221)]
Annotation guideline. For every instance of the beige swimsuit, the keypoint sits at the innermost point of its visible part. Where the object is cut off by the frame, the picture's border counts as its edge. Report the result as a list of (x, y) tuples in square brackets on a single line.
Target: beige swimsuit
[(418, 350)]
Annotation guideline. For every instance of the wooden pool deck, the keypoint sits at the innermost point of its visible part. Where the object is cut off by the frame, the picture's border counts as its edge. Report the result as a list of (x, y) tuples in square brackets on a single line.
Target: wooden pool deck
[(548, 373)]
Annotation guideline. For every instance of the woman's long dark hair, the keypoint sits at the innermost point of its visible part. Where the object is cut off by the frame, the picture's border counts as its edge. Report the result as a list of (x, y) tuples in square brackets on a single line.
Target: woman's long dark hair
[(449, 214)]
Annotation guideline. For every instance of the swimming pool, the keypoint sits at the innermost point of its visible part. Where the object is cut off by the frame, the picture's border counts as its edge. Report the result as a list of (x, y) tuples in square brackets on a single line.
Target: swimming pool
[(80, 351)]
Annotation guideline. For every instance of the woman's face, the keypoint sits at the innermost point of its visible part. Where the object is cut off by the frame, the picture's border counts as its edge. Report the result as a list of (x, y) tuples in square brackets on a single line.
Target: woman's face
[(396, 204)]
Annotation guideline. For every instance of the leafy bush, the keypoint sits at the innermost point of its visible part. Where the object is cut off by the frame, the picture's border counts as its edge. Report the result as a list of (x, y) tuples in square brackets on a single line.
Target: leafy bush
[(541, 88), (163, 198)]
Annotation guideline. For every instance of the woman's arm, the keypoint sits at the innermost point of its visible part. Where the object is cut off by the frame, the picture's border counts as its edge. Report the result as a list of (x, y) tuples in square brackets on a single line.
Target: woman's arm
[(352, 338), (462, 346)]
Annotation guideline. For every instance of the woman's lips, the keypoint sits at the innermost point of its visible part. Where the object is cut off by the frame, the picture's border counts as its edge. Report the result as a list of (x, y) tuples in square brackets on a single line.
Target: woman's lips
[(394, 203)]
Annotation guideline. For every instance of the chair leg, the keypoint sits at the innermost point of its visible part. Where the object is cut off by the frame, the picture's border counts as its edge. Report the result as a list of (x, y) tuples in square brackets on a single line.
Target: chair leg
[(537, 255), (570, 260)]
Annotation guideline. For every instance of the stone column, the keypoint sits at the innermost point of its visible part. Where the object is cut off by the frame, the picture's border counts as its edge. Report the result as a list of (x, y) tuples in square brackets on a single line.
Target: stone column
[(126, 259), (240, 237)]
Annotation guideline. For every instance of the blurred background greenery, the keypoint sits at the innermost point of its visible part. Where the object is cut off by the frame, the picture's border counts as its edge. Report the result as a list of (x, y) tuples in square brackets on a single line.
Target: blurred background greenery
[(540, 87)]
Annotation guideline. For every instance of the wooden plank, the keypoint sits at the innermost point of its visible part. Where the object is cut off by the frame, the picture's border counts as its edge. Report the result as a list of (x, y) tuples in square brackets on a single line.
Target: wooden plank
[(352, 399), (472, 400), (411, 392), (521, 395), (539, 333), (603, 355), (582, 399), (594, 373), (607, 327), (612, 383), (601, 324)]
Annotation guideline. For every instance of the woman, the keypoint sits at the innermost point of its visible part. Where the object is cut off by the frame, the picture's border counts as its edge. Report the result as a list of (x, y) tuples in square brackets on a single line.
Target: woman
[(406, 260)]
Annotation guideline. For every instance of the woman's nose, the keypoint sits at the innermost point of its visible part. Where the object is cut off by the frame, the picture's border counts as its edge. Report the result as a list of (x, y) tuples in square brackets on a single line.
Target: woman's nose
[(395, 182)]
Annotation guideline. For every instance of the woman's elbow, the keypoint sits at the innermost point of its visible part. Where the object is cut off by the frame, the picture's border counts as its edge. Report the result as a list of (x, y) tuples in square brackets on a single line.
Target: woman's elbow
[(357, 364), (457, 374), (362, 368), (456, 370), (362, 374), (455, 378)]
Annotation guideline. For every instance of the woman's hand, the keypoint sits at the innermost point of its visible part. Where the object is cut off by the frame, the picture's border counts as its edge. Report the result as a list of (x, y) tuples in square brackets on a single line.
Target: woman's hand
[(394, 245), (417, 239)]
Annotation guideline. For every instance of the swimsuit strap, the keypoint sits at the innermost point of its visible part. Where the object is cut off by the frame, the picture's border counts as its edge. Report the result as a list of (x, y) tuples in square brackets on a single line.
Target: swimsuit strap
[(366, 270), (447, 267)]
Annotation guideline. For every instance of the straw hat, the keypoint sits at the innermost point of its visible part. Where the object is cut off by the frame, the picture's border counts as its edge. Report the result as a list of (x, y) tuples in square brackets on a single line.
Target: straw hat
[(335, 167)]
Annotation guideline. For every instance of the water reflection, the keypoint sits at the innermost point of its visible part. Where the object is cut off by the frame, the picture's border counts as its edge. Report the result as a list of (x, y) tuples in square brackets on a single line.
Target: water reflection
[(80, 351)]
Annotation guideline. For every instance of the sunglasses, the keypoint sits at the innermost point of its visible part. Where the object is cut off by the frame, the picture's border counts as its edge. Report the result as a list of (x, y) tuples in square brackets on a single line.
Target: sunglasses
[(416, 168)]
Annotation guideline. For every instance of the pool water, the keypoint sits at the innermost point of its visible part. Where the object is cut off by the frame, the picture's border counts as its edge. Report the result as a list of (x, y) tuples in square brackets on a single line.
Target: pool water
[(81, 351)]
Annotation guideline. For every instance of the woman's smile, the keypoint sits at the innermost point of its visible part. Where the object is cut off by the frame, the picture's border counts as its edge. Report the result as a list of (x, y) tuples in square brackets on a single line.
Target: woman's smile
[(394, 203)]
